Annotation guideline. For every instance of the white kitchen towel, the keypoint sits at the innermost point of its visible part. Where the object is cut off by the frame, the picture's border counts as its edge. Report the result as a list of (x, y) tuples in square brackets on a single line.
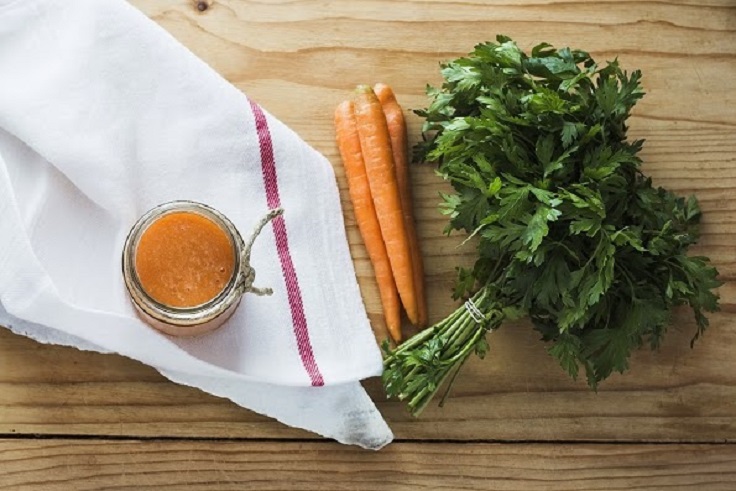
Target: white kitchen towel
[(103, 115)]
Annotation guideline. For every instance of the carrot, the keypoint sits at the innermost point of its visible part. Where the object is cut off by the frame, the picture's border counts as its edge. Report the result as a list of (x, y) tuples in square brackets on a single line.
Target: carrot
[(365, 214), (397, 132), (375, 144)]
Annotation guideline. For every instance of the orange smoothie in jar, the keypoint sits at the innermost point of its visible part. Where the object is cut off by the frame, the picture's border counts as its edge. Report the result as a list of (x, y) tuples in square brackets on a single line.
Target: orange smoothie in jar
[(184, 259)]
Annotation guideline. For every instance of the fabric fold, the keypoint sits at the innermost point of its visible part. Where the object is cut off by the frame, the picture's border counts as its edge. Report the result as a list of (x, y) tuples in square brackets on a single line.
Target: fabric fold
[(104, 115)]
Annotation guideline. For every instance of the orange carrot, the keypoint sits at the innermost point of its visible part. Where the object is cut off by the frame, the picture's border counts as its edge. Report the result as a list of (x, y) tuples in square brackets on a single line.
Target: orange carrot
[(375, 143), (397, 132), (365, 214)]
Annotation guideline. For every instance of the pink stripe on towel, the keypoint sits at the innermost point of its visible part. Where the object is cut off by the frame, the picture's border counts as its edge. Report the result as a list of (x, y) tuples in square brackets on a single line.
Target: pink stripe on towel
[(294, 293)]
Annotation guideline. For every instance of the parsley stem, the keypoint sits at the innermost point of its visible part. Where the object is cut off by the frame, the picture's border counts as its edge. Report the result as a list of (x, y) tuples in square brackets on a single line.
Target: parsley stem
[(457, 331), (452, 381), (417, 369)]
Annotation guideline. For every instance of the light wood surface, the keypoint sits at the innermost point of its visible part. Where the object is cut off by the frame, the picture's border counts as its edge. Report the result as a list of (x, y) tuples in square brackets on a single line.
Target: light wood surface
[(299, 58), (60, 465)]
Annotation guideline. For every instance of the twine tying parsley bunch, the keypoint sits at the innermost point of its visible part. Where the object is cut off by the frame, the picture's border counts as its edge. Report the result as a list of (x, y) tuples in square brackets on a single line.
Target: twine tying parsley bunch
[(570, 232)]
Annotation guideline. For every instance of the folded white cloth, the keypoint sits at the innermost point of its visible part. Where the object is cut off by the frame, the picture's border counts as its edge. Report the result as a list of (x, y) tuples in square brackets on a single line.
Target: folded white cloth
[(103, 115)]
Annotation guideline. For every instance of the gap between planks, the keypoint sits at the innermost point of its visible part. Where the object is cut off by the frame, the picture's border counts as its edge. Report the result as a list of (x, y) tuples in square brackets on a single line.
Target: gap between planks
[(316, 440)]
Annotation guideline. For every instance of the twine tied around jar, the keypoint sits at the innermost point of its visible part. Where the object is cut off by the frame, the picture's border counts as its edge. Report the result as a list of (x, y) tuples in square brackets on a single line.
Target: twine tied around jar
[(249, 274)]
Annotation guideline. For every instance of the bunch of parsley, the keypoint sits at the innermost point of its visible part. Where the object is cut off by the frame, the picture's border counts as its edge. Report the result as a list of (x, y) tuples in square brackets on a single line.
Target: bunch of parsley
[(570, 232)]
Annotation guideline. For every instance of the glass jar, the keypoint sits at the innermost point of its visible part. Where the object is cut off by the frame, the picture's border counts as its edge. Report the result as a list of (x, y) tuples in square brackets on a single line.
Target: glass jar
[(204, 317)]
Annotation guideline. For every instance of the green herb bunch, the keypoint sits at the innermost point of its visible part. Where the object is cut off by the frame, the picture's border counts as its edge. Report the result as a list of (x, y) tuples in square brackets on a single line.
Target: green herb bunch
[(569, 231)]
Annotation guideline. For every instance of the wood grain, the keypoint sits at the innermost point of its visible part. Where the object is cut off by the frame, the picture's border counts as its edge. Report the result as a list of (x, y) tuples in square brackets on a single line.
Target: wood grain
[(517, 393), (51, 465), (299, 58)]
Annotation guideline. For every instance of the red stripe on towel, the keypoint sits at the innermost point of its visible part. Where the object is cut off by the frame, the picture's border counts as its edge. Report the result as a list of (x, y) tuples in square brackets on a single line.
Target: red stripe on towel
[(294, 293)]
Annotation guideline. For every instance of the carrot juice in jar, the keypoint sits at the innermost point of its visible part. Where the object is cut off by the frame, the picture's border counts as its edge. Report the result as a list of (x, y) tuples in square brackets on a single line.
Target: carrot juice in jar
[(185, 266)]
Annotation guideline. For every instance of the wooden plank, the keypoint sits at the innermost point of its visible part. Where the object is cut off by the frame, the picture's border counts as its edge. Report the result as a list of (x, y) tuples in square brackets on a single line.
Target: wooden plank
[(89, 464), (517, 393), (299, 59)]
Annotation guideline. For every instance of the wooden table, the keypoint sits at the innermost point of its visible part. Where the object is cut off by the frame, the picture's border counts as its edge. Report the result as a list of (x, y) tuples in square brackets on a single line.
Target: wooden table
[(74, 420)]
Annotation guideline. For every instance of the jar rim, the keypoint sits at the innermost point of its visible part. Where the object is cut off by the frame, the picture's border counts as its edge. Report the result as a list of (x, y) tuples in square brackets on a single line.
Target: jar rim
[(183, 316)]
